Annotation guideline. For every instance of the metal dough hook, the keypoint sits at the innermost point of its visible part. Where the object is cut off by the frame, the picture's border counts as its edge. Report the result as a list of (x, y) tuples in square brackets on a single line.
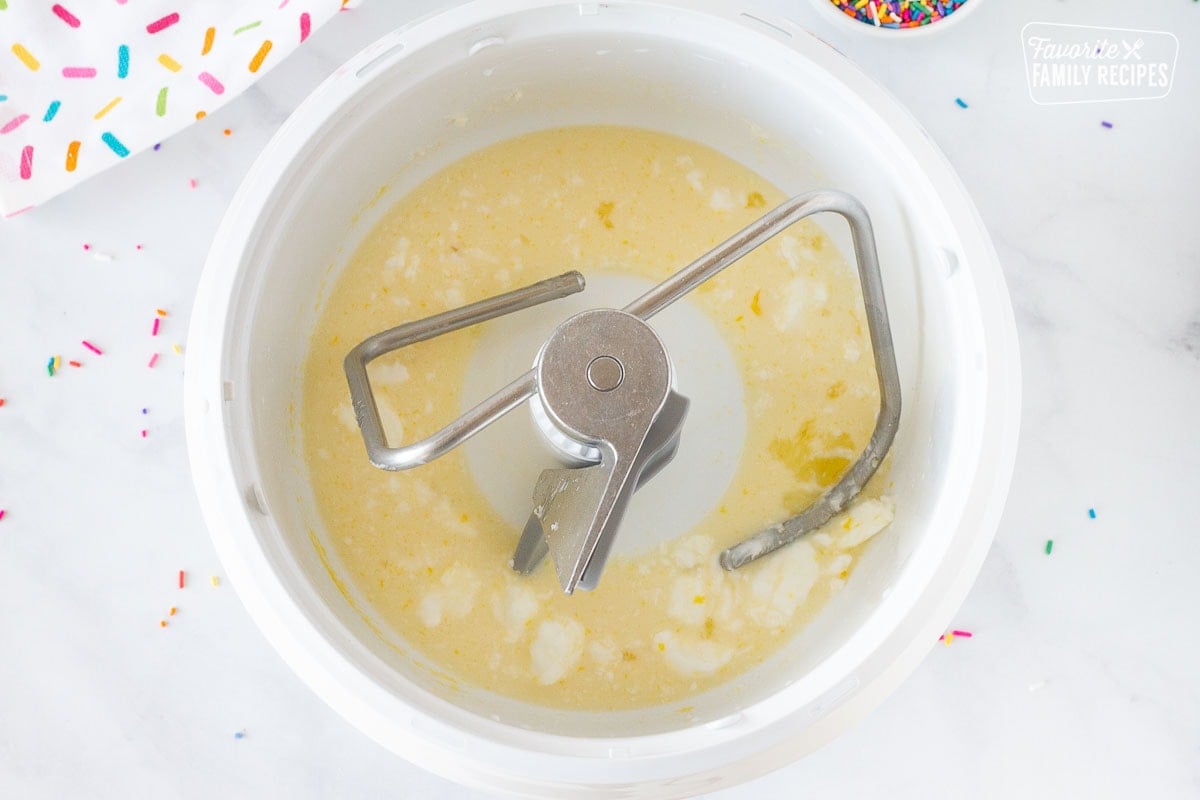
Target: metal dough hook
[(602, 383)]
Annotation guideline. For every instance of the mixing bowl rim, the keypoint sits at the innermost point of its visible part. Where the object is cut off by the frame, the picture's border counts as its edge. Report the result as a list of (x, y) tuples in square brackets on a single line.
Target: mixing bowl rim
[(424, 734)]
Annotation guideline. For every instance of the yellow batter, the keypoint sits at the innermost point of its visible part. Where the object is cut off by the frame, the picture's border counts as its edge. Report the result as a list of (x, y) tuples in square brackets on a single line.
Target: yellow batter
[(429, 553)]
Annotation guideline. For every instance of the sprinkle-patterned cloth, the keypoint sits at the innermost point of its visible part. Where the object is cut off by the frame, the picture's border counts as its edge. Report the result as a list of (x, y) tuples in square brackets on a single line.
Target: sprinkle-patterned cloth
[(87, 83)]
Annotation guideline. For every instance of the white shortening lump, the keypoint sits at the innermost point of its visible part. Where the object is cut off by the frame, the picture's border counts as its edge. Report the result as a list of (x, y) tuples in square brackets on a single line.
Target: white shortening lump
[(453, 598), (514, 608), (556, 649), (692, 655), (863, 521)]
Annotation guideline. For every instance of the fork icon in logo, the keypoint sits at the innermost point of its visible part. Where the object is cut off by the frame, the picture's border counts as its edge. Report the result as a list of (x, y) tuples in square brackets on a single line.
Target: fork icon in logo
[(1132, 49)]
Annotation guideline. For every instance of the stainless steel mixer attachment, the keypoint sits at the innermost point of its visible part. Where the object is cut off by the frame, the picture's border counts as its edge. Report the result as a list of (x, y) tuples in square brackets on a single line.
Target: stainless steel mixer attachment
[(604, 381)]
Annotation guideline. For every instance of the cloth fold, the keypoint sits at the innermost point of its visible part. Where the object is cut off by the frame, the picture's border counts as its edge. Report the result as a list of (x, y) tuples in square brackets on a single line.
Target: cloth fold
[(85, 84)]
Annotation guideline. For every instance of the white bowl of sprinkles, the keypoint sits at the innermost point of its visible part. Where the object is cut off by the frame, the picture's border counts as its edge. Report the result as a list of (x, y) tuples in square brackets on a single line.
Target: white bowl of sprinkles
[(896, 18)]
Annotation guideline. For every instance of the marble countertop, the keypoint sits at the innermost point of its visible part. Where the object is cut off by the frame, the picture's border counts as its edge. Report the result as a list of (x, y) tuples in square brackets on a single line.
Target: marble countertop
[(1082, 678)]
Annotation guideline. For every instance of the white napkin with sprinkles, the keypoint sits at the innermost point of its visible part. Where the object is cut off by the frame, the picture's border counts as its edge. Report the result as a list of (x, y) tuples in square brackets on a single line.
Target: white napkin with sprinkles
[(87, 83)]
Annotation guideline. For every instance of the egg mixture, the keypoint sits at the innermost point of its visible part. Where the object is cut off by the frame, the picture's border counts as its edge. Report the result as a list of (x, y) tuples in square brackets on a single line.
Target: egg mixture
[(426, 550)]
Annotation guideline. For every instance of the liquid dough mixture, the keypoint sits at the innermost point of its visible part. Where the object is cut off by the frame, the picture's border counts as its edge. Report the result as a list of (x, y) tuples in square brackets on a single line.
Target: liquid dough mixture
[(427, 551)]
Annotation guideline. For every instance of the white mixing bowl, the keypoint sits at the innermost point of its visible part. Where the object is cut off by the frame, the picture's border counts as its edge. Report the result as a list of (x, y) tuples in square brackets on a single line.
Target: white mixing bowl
[(758, 90)]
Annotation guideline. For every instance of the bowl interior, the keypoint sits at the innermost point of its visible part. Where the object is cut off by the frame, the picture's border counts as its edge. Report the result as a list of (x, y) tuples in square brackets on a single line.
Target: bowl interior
[(397, 116)]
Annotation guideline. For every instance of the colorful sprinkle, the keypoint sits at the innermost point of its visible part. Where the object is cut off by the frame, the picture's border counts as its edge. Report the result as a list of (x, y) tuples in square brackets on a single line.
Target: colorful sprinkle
[(2, 510), (92, 347), (192, 183), (1092, 513), (163, 24), (305, 27), (72, 155), (169, 63), (79, 72), (153, 361), (1049, 546), (172, 611), (247, 27), (178, 349), (65, 16), (260, 56), (160, 106), (213, 579), (111, 105), (52, 110), (898, 13), (123, 61), (159, 311), (180, 579), (13, 123), (209, 35), (26, 162), (50, 367), (75, 364), (239, 735), (1106, 124), (960, 102), (963, 634), (143, 433), (162, 623), (114, 144), (154, 328), (27, 57), (211, 82)]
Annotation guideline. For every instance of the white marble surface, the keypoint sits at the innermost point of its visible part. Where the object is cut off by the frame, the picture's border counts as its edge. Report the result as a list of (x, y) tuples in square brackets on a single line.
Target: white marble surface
[(1082, 679)]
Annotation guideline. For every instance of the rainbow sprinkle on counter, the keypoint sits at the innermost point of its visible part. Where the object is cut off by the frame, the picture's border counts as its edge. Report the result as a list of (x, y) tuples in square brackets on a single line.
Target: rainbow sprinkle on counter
[(898, 13)]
